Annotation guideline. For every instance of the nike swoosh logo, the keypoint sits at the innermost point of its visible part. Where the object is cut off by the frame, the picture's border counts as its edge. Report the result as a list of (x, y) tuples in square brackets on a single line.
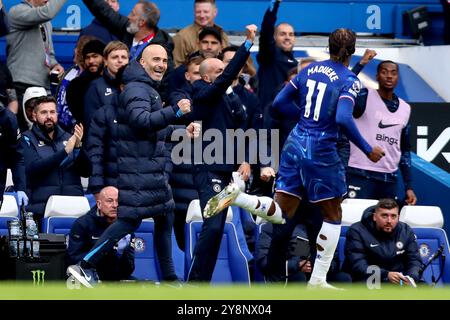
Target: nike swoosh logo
[(95, 238), (384, 126), (108, 93), (88, 278), (374, 245)]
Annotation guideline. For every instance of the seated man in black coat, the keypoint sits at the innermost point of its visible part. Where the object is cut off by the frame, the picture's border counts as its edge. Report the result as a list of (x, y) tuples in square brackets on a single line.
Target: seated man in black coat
[(381, 240), (52, 158), (118, 263)]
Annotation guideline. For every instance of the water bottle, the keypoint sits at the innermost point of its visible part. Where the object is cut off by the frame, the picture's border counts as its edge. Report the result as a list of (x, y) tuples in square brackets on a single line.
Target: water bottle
[(15, 233), (32, 241), (28, 223), (35, 246)]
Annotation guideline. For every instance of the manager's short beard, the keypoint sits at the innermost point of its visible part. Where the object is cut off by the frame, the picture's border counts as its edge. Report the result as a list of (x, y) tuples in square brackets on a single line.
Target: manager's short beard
[(46, 129)]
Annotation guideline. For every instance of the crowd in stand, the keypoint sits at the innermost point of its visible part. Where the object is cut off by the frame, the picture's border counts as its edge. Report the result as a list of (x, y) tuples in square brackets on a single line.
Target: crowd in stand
[(113, 113)]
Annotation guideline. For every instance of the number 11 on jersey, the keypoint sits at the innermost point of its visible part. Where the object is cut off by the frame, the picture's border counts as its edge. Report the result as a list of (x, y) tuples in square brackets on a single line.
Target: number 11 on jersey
[(321, 88)]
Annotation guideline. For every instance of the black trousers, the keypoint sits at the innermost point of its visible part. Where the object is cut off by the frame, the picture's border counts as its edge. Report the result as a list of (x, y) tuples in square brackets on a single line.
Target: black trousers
[(366, 187)]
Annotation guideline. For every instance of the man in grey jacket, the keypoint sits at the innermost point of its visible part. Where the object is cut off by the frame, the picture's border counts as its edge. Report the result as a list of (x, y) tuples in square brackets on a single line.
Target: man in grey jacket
[(31, 57)]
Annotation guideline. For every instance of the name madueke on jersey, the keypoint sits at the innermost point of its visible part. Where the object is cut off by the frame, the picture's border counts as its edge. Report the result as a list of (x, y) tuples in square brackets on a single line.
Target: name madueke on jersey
[(328, 71), (383, 137)]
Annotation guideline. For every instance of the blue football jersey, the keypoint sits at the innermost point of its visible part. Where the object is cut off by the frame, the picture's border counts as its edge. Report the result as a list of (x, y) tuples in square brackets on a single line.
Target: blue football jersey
[(320, 86)]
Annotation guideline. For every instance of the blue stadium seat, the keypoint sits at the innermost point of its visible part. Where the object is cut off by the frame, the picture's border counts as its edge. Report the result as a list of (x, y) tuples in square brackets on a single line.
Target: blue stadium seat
[(14, 194), (427, 223), (61, 212), (428, 241), (146, 259), (146, 266), (9, 211), (240, 216), (231, 265)]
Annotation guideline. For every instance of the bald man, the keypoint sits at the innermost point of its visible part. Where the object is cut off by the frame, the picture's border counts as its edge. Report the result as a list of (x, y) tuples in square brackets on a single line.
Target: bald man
[(116, 264), (143, 163), (216, 105)]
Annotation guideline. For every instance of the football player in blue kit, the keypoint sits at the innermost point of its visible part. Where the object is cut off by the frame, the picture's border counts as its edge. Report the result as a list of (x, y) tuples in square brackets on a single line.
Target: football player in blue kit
[(310, 165)]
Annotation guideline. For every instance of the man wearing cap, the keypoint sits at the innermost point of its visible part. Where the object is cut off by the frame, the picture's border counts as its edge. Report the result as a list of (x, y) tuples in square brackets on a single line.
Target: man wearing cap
[(31, 56), (205, 12), (209, 45), (93, 60)]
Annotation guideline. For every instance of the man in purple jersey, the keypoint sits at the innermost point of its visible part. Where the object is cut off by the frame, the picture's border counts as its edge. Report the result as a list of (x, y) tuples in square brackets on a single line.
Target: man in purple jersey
[(310, 165)]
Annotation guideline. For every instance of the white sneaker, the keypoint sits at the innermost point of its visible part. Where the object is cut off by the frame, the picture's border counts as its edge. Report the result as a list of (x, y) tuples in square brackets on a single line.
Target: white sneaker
[(221, 201), (322, 285), (87, 277)]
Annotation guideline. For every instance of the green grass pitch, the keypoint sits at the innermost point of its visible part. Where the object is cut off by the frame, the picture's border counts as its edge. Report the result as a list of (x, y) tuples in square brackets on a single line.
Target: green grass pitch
[(151, 291)]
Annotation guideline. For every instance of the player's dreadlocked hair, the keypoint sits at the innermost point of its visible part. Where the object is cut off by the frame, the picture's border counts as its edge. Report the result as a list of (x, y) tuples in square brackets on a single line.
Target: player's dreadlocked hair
[(341, 44)]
